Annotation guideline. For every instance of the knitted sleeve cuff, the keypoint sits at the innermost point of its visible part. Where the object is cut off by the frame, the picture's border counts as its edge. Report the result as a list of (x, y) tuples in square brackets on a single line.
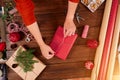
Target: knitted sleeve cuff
[(26, 10), (29, 18), (75, 1)]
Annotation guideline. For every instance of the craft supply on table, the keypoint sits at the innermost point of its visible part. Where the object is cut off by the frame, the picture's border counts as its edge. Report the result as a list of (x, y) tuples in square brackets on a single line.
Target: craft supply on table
[(30, 75), (78, 18), (92, 43), (118, 56), (92, 5), (85, 31), (12, 27), (14, 37), (14, 10), (108, 41), (99, 50), (3, 68), (62, 45), (29, 38), (2, 46), (89, 65), (115, 48)]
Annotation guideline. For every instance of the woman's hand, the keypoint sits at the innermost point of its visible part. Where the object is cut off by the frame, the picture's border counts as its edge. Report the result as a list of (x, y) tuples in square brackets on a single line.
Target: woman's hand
[(69, 28), (47, 52)]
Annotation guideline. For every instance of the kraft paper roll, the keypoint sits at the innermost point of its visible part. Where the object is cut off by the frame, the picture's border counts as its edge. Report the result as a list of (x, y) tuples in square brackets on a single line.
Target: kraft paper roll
[(118, 60), (102, 35), (108, 41), (113, 50)]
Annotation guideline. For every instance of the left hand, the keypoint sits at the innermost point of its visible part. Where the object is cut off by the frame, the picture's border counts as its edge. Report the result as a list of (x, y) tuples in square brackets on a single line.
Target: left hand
[(69, 28)]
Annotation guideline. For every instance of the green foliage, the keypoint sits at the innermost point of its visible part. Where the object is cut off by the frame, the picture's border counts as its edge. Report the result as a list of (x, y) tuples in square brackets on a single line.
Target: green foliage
[(25, 59), (8, 5)]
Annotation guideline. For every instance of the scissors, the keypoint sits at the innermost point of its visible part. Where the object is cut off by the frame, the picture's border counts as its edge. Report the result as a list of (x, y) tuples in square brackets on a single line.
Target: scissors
[(78, 17)]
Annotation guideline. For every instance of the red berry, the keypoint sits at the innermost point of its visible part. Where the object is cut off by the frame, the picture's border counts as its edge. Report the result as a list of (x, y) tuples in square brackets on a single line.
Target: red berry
[(14, 37)]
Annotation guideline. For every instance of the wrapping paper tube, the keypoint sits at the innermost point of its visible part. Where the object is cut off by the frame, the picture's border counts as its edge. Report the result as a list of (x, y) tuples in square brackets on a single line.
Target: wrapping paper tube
[(102, 35), (113, 50), (118, 61), (108, 40)]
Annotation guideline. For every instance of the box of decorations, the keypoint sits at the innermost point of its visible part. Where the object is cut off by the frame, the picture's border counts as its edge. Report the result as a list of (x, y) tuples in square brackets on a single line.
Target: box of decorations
[(92, 5)]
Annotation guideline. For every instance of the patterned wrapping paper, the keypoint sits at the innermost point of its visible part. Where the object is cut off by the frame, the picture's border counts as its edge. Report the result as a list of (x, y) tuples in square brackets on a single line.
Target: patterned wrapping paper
[(92, 5)]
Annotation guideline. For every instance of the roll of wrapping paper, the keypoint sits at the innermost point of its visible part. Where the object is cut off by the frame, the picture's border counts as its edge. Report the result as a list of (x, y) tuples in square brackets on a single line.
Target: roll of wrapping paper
[(114, 45), (108, 40), (102, 35)]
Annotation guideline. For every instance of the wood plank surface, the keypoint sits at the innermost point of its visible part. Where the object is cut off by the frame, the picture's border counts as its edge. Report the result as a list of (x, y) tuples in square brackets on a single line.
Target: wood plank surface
[(51, 14)]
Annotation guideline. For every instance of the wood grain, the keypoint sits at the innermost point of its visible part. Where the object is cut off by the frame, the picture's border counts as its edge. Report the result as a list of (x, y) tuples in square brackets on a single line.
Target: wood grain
[(51, 14)]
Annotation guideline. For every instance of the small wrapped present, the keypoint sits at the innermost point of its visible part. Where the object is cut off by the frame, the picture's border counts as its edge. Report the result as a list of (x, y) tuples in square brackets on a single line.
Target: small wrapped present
[(38, 67)]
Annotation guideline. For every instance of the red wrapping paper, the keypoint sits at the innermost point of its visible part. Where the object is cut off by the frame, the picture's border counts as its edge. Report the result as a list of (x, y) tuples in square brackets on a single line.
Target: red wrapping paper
[(108, 40), (61, 45)]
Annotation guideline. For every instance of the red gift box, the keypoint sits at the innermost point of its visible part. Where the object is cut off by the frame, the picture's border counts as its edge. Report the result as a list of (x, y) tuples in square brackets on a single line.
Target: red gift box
[(62, 45)]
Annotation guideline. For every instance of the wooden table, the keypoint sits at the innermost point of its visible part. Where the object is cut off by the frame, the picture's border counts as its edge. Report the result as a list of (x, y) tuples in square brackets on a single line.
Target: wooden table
[(49, 15)]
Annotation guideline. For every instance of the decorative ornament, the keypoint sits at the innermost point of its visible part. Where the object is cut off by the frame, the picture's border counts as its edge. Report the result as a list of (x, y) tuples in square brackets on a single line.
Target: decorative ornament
[(92, 43), (89, 65), (12, 27), (14, 37), (2, 46)]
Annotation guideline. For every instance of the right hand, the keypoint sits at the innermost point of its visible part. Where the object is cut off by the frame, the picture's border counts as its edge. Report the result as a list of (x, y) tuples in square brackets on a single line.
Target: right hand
[(47, 52)]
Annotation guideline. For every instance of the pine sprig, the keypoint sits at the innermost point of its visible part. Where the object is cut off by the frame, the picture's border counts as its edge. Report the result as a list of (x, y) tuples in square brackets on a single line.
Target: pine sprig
[(25, 59)]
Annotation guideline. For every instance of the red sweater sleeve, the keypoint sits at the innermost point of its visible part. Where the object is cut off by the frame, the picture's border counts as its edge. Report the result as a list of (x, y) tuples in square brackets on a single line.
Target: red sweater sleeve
[(26, 10), (75, 1)]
